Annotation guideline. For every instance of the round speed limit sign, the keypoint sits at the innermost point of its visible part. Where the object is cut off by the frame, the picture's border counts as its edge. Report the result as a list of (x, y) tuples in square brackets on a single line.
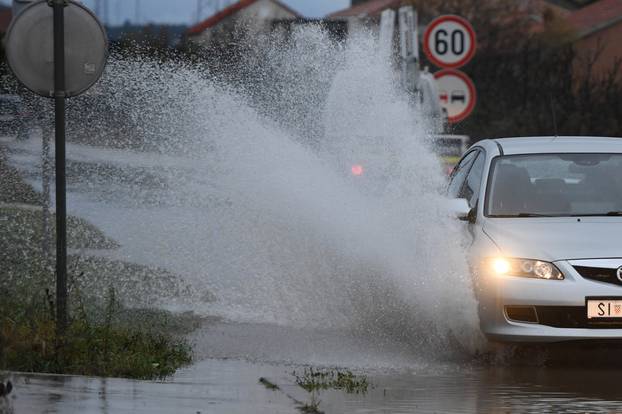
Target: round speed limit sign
[(449, 41), (456, 93)]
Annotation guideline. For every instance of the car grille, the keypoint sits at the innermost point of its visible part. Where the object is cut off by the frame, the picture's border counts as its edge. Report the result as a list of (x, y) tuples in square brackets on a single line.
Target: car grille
[(570, 317), (599, 274)]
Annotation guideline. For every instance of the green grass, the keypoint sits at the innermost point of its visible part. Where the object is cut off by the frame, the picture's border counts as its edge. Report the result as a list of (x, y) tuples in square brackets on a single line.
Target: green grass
[(315, 380), (106, 342), (104, 337)]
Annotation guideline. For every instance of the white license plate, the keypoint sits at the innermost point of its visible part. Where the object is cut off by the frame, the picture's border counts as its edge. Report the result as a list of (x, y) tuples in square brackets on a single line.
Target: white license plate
[(604, 308)]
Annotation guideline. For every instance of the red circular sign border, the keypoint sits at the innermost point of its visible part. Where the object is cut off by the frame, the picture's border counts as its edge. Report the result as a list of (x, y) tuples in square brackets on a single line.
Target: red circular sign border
[(464, 77), (456, 19)]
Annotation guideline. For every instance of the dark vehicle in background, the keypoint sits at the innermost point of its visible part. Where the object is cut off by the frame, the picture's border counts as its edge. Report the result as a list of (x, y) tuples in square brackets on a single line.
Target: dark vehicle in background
[(15, 118)]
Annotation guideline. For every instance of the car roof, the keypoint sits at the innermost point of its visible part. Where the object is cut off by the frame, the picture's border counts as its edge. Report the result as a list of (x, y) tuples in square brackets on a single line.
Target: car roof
[(536, 145)]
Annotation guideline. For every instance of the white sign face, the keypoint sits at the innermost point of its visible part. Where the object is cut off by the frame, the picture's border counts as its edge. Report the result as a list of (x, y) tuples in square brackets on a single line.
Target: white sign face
[(449, 42), (457, 94)]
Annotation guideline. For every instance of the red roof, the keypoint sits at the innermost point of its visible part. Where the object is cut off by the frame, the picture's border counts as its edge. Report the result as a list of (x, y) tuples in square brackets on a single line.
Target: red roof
[(596, 16), (368, 9), (228, 11)]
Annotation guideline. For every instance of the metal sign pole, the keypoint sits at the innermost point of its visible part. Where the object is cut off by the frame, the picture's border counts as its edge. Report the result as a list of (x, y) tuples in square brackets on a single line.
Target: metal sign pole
[(27, 50), (61, 197)]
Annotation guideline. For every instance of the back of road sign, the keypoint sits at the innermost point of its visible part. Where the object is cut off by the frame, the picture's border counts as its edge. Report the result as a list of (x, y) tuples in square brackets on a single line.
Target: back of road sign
[(30, 48)]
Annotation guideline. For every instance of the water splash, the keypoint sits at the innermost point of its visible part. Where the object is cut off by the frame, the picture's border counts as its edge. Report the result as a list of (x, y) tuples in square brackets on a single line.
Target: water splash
[(255, 197)]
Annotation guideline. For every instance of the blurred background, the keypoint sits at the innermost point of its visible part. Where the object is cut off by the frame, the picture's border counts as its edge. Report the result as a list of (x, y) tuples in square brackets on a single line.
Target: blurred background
[(536, 59)]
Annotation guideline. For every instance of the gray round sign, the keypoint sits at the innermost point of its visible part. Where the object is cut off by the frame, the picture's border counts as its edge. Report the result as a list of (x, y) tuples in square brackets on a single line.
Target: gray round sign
[(29, 44)]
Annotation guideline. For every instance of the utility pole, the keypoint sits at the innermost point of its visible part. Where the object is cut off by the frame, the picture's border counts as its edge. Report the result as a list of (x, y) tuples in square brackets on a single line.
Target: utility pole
[(61, 184), (101, 10), (46, 135), (198, 16), (137, 12), (409, 47), (106, 12), (212, 6)]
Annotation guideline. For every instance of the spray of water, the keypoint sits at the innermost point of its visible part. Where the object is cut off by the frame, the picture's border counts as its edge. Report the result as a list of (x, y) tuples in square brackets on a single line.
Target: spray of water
[(260, 204)]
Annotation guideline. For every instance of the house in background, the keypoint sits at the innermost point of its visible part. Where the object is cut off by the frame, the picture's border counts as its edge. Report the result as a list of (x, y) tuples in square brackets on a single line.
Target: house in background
[(367, 12), (598, 30), (363, 13), (253, 16)]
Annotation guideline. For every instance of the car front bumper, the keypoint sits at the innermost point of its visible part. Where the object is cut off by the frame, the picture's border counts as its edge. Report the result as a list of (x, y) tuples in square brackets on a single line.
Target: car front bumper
[(559, 306)]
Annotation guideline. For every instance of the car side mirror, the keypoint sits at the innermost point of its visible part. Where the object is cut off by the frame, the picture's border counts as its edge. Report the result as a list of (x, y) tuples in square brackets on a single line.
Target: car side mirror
[(461, 210)]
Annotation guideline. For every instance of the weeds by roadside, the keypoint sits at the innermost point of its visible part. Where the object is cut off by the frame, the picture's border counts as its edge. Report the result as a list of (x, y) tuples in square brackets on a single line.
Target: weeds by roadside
[(316, 380), (104, 337), (98, 342)]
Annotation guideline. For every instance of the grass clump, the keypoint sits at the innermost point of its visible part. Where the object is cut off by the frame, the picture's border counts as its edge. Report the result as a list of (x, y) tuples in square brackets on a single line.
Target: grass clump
[(98, 342), (316, 380), (103, 337), (331, 379)]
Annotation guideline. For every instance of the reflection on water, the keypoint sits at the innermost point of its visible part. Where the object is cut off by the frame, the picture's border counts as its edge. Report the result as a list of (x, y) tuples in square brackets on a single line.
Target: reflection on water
[(231, 386), (233, 356)]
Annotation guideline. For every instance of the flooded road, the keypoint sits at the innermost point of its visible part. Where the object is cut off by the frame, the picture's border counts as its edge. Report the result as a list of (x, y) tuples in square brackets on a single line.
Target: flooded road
[(232, 386), (254, 201), (410, 370)]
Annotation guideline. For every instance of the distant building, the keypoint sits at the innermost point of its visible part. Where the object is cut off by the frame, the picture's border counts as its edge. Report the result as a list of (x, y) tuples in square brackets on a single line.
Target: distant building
[(598, 30), (368, 9), (363, 13), (254, 16)]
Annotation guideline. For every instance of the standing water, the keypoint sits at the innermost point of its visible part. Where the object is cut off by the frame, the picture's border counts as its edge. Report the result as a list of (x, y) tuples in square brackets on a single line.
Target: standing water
[(303, 196), (298, 191)]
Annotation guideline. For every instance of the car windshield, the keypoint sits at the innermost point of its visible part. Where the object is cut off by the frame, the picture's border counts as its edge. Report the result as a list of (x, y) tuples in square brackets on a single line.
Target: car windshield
[(555, 185)]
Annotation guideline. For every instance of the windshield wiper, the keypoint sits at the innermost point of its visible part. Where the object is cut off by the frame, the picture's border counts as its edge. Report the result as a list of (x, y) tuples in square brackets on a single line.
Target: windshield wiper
[(523, 215), (535, 215), (609, 214)]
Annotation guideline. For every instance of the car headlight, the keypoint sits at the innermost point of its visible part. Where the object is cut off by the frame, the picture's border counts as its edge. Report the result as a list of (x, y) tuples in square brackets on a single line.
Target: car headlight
[(536, 269)]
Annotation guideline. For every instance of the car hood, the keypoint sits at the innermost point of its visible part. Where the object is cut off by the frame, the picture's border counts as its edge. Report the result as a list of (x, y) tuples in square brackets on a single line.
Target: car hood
[(554, 239)]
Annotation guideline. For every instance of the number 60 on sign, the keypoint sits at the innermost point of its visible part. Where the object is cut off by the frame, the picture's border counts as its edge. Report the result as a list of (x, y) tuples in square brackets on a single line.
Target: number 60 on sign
[(449, 42)]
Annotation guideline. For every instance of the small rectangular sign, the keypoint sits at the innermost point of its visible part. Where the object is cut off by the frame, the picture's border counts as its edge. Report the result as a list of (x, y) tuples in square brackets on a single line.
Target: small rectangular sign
[(604, 308)]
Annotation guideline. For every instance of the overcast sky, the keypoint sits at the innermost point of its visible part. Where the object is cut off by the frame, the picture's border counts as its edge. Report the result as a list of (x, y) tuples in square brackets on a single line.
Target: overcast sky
[(184, 11)]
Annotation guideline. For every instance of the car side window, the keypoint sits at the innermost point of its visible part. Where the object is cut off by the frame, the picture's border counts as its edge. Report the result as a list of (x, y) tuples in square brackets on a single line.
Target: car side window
[(459, 175), (472, 186)]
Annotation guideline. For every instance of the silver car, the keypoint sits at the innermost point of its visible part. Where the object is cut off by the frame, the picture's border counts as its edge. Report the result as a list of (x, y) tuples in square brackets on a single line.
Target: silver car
[(544, 217)]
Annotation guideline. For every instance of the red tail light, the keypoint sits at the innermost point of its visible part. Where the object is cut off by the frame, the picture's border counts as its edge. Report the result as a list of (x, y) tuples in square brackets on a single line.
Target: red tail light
[(357, 170)]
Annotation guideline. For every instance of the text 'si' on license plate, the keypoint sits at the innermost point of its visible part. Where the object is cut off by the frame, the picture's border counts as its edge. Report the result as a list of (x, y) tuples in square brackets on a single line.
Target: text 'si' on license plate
[(604, 308)]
